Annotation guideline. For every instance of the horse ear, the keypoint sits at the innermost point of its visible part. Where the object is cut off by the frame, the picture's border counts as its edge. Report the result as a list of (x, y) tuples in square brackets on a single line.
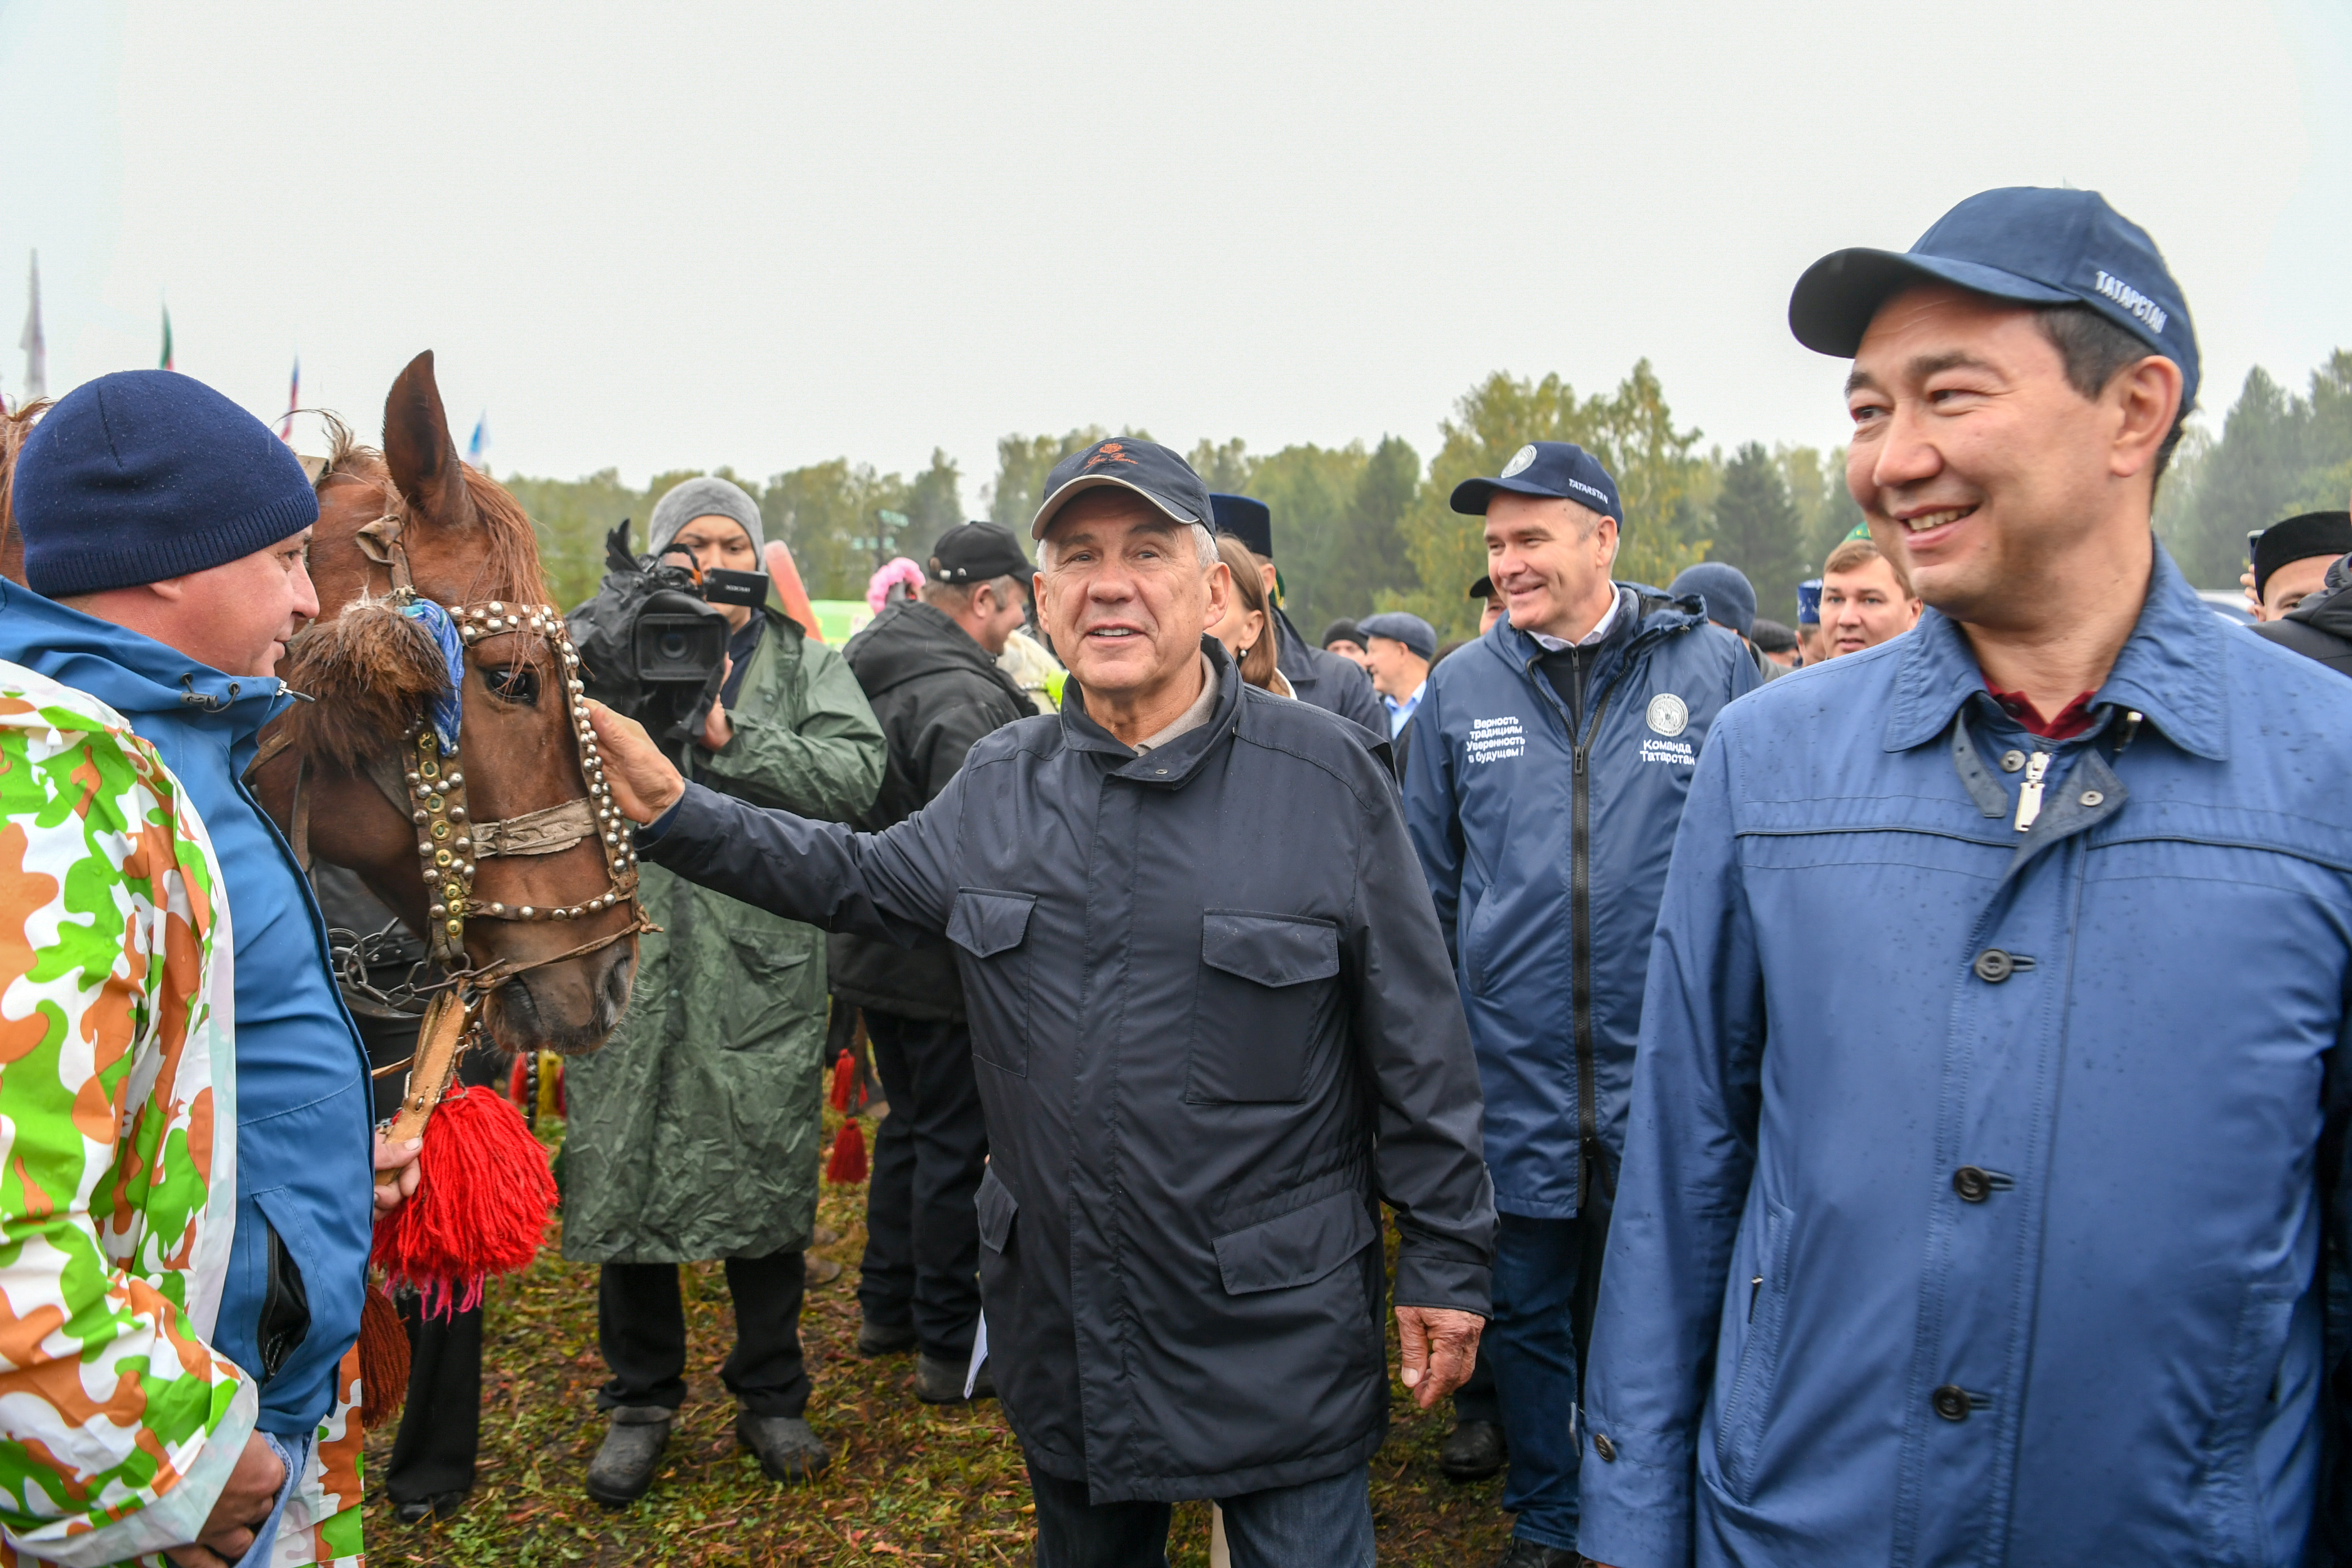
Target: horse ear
[(418, 449)]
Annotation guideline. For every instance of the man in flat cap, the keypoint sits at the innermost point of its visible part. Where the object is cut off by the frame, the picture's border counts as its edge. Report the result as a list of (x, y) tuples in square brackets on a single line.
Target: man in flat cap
[(1329, 681), (1214, 1030), (1990, 1107)]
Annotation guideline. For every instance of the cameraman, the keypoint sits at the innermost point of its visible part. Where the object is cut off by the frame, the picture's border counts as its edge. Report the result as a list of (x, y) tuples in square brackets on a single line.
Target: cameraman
[(694, 1133)]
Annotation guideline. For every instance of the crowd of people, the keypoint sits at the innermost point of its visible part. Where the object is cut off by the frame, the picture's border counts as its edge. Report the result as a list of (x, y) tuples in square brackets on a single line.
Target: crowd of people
[(1869, 1090)]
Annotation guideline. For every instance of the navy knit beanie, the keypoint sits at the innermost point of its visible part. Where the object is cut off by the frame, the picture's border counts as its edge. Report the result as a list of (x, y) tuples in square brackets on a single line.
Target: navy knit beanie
[(148, 474)]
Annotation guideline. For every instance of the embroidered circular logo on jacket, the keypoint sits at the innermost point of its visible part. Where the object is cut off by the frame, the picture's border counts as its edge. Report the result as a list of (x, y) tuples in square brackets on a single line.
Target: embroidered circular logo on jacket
[(1669, 714), (1520, 461)]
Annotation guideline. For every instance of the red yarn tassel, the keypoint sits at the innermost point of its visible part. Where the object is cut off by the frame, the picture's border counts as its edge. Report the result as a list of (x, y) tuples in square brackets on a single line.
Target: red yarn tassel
[(847, 1166), (845, 1077), (518, 1079), (383, 1361), (480, 1207)]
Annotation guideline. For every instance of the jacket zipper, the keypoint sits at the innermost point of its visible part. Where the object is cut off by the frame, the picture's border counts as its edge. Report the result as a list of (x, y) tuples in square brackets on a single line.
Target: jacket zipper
[(1579, 895), (2029, 793)]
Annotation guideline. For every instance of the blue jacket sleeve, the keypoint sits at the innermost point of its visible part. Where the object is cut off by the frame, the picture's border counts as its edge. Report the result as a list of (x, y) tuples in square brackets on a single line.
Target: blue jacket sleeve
[(1690, 1151), (1429, 814)]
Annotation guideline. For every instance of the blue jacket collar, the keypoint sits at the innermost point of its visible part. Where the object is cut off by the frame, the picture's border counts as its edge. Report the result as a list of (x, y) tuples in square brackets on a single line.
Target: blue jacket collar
[(130, 672), (1666, 614), (2170, 671)]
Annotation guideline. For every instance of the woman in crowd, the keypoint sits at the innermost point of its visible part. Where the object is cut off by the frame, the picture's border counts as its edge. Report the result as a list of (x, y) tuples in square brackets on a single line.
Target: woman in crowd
[(1243, 631)]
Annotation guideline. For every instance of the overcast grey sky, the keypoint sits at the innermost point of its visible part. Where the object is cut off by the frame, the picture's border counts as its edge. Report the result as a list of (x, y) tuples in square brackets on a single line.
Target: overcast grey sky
[(767, 235)]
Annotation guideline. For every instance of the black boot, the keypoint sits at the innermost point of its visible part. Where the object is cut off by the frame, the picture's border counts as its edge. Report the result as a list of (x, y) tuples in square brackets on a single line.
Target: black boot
[(1473, 1451), (623, 1465), (787, 1451), (941, 1382), (1528, 1554), (884, 1339)]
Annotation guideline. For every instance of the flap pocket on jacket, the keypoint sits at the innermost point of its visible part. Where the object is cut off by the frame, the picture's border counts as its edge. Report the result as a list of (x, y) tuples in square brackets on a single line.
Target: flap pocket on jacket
[(997, 1206), (984, 922), (1296, 1248), (1272, 950)]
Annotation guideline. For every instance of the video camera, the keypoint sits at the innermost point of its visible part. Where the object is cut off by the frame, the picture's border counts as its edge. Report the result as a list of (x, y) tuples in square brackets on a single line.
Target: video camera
[(653, 642)]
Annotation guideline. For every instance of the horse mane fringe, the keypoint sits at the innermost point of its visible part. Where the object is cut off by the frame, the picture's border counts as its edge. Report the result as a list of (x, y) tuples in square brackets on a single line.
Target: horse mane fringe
[(372, 670)]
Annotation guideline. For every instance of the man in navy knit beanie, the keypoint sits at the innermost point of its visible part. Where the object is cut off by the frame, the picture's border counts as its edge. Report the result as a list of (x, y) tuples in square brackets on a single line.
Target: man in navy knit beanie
[(166, 536)]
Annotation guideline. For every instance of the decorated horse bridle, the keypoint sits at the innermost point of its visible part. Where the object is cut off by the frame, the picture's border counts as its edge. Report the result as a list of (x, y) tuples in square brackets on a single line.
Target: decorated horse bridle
[(451, 844)]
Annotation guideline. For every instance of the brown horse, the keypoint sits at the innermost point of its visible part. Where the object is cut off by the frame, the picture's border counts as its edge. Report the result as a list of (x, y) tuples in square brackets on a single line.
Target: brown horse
[(463, 540)]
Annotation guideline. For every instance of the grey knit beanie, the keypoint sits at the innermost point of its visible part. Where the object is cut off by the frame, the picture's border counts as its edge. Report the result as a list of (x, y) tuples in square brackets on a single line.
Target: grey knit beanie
[(705, 497)]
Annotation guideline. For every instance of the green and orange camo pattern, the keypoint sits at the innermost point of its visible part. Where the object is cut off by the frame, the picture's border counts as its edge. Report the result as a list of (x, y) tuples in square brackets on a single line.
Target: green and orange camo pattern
[(118, 1117)]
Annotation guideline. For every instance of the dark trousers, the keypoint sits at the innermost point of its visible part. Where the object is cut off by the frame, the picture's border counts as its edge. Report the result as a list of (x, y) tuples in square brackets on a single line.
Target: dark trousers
[(1547, 1275), (1479, 1399), (922, 1235), (441, 1423), (1315, 1524), (641, 1328)]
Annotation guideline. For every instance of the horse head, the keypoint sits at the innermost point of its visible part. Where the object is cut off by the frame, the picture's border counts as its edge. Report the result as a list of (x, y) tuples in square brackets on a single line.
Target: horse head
[(425, 567)]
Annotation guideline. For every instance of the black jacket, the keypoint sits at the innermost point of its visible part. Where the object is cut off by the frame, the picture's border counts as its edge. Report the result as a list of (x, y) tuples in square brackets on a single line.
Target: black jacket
[(1214, 1022), (935, 692), (1333, 684), (2318, 628)]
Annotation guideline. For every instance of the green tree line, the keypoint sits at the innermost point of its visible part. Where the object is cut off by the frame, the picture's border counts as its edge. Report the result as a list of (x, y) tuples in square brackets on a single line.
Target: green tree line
[(1367, 526)]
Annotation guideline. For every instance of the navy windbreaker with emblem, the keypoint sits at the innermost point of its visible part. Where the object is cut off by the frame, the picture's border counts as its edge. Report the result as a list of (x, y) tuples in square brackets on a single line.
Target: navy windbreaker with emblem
[(1547, 853)]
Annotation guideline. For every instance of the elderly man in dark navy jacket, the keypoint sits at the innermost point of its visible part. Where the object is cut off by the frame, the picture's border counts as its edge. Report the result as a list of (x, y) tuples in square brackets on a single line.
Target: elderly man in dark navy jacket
[(1214, 1028), (1546, 777)]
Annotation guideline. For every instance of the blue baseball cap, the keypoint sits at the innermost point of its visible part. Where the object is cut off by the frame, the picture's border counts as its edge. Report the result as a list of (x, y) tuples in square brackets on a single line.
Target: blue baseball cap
[(2020, 242), (1808, 601), (1157, 473), (1729, 596), (1560, 470)]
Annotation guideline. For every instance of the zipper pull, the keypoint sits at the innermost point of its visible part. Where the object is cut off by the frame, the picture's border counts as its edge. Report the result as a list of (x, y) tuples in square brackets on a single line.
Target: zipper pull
[(2029, 793)]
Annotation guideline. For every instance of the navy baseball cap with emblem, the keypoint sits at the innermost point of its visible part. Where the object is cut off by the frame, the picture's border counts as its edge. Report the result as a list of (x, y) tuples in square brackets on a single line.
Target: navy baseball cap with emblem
[(1157, 473), (1247, 518), (2020, 242), (1562, 470)]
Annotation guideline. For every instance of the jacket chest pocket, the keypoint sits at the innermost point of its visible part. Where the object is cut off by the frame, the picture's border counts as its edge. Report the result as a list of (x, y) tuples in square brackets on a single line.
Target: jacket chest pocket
[(993, 930), (1268, 989)]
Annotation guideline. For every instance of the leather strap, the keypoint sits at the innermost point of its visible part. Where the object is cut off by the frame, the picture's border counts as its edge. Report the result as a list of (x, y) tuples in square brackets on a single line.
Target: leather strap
[(540, 832)]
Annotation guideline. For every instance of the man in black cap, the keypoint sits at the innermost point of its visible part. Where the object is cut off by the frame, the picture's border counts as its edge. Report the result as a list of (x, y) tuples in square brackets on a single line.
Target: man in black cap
[(2290, 559), (2302, 587), (1331, 682), (1344, 638), (928, 665), (1491, 606), (1213, 1029)]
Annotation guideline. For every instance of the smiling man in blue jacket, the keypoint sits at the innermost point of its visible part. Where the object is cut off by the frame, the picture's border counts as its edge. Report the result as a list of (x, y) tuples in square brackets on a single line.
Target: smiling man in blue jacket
[(1990, 1100), (1547, 769)]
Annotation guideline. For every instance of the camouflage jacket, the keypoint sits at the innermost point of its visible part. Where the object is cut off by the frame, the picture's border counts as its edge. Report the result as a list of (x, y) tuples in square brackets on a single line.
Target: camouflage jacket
[(118, 1423)]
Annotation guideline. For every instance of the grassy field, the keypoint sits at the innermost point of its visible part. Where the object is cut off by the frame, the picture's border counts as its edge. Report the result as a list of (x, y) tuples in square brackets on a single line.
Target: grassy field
[(908, 1482)]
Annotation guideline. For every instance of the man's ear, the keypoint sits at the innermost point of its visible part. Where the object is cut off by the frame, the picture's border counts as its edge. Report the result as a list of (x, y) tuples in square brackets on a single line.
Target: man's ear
[(1220, 593), (2147, 399)]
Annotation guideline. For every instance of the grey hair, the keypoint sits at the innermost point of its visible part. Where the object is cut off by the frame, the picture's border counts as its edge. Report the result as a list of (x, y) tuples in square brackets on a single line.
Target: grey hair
[(1204, 548)]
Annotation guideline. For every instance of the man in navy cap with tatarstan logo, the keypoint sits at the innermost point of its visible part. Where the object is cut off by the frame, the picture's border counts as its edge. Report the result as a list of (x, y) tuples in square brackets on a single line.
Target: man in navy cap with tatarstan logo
[(1989, 1114), (1548, 769)]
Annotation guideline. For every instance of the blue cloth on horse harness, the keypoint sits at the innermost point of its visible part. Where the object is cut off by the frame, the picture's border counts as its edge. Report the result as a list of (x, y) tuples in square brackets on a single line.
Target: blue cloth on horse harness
[(448, 710)]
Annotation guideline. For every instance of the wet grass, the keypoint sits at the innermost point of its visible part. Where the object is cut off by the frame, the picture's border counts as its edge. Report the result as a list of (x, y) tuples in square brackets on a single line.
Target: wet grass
[(907, 1481)]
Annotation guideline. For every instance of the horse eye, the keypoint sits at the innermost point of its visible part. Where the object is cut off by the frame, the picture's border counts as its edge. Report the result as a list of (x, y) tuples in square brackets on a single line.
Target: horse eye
[(519, 684)]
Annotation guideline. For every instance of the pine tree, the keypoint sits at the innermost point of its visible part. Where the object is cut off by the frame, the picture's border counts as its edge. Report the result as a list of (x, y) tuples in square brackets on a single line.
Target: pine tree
[(1759, 529)]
